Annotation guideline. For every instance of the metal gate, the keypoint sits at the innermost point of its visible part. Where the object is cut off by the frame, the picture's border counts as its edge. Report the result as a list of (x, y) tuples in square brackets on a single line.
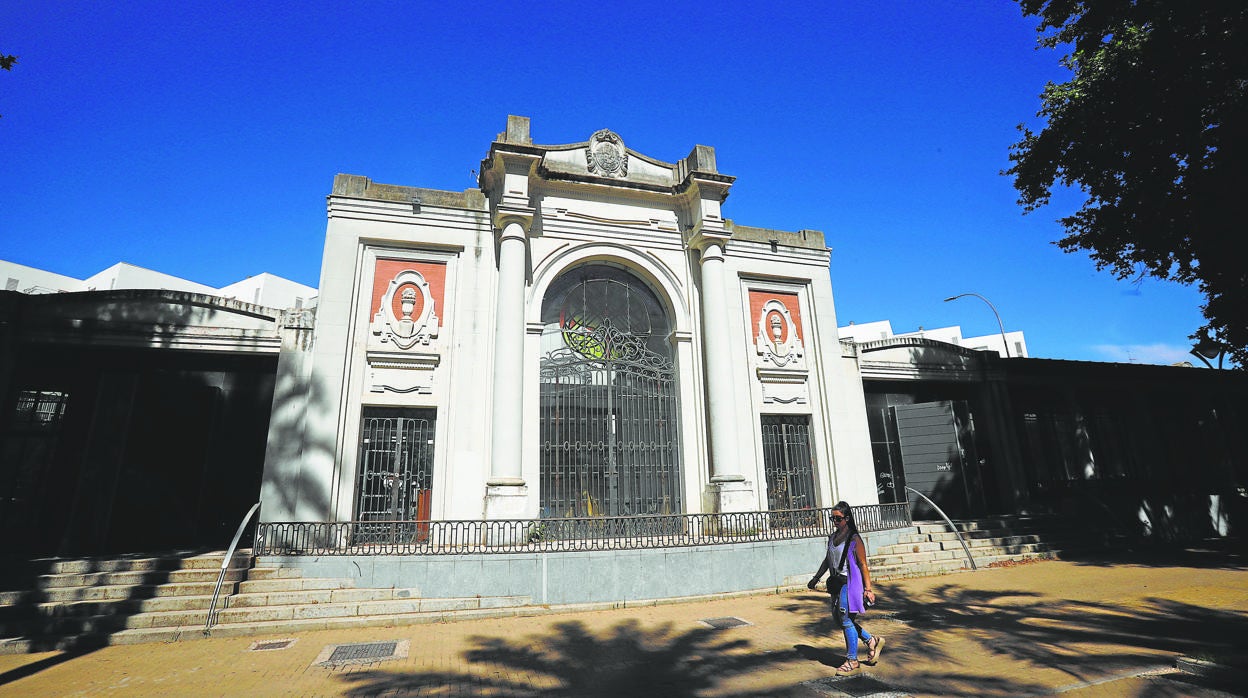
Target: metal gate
[(395, 474), (788, 463), (608, 429), (609, 411), (934, 439)]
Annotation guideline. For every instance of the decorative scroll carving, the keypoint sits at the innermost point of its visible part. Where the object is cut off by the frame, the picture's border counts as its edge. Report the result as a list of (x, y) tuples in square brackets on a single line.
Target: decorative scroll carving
[(783, 387), (416, 320), (606, 155), (401, 372), (777, 340)]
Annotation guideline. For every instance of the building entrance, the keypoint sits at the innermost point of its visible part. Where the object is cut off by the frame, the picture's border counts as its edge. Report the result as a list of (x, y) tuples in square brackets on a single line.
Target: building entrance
[(609, 413), (787, 462), (394, 484)]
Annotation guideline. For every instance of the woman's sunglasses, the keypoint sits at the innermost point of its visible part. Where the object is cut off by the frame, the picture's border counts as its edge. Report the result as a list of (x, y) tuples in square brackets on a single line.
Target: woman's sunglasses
[(838, 518)]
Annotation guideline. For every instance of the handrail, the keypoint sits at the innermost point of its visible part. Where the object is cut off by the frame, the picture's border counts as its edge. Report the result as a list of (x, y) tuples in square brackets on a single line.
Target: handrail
[(554, 535), (953, 528), (229, 557)]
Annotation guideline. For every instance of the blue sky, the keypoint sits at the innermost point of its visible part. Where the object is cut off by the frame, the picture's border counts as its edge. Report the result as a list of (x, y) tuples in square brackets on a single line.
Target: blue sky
[(200, 139)]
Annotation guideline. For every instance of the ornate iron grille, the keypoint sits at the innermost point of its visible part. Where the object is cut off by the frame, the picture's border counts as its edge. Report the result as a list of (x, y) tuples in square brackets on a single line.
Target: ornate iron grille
[(788, 464), (608, 427), (395, 474), (609, 411)]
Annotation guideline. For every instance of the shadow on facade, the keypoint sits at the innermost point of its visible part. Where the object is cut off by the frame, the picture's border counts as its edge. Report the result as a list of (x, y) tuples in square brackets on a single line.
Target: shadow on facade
[(288, 485)]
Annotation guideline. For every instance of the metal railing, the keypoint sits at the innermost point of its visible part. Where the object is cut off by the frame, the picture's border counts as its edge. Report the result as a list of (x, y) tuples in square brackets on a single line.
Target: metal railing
[(225, 564), (948, 522), (560, 535)]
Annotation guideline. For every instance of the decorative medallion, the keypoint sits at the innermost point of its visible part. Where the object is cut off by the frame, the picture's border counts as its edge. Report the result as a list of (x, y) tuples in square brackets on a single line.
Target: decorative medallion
[(606, 155), (777, 340), (406, 316)]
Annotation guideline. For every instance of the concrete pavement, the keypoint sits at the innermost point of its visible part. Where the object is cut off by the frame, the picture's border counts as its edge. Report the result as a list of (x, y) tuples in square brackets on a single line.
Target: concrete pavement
[(1082, 628)]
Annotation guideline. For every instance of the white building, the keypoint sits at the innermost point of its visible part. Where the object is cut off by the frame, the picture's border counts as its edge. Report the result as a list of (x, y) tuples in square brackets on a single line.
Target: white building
[(585, 334), (262, 289), (510, 377), (883, 329)]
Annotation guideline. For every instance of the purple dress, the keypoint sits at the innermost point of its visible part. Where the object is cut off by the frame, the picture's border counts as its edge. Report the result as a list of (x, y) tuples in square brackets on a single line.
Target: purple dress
[(855, 580)]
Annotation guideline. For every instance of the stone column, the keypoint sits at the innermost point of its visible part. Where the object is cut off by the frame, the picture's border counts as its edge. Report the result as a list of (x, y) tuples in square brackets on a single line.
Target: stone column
[(728, 485), (506, 493)]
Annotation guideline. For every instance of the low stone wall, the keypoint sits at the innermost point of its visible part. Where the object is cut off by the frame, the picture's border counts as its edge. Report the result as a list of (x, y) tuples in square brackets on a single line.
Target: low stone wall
[(585, 577)]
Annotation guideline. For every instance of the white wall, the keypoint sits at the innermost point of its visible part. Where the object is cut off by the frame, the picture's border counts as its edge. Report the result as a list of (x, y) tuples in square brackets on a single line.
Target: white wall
[(18, 277), (262, 289), (993, 342), (867, 331), (883, 329), (128, 276), (270, 291)]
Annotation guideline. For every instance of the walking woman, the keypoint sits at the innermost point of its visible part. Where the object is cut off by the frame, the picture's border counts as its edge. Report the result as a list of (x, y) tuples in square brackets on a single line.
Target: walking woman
[(849, 584)]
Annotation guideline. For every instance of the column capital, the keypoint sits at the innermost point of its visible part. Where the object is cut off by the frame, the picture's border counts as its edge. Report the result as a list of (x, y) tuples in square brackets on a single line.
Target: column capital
[(507, 214), (710, 242)]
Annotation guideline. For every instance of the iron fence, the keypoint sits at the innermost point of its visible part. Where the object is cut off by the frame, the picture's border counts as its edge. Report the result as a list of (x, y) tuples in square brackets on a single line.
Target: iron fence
[(563, 534)]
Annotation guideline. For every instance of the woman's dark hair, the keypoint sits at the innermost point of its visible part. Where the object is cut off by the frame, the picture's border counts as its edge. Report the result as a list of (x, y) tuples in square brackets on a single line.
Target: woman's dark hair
[(844, 508)]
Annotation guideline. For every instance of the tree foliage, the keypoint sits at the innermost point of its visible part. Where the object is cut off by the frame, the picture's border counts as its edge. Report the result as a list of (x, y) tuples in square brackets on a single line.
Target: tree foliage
[(6, 61), (1153, 128)]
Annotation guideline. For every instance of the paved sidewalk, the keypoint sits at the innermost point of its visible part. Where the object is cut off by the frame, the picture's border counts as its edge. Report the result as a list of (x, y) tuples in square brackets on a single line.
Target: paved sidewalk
[(1077, 628)]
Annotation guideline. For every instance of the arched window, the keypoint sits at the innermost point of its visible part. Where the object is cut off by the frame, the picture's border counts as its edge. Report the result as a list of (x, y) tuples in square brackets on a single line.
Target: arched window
[(609, 410)]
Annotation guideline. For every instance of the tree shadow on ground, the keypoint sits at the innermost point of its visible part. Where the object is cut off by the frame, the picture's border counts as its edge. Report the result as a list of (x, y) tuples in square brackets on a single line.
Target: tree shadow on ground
[(25, 670), (623, 661), (1213, 553), (1086, 640)]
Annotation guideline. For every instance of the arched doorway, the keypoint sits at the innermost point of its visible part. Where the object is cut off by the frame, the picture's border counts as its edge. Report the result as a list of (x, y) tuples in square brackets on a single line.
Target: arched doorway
[(609, 410)]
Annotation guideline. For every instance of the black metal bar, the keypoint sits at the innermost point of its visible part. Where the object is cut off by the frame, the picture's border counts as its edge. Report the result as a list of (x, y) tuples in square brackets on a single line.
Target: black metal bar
[(561, 534)]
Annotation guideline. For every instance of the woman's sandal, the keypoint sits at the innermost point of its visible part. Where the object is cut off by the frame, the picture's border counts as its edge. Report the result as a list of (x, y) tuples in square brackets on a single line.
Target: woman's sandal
[(874, 649), (849, 667)]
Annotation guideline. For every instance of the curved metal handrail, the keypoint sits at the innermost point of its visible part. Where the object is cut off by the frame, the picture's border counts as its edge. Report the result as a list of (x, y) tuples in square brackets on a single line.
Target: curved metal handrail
[(965, 547), (229, 557)]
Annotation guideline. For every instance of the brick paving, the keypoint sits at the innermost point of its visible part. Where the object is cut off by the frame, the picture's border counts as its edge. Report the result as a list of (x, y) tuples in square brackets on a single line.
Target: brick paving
[(1054, 627)]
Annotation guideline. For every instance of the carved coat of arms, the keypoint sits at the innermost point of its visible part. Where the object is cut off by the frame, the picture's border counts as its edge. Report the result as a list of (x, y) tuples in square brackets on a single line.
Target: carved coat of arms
[(777, 341), (409, 319), (606, 155)]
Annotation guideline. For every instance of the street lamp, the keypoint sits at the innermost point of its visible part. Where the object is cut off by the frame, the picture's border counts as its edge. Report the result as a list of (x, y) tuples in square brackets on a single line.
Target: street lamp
[(1207, 349), (1004, 341)]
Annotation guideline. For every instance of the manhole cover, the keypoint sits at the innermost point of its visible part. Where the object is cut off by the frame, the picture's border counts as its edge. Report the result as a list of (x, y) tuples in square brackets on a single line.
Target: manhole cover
[(362, 653), (724, 623), (367, 650), (263, 645)]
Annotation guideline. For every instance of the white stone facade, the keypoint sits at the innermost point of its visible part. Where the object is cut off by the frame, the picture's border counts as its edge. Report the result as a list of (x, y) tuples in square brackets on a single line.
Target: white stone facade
[(440, 303)]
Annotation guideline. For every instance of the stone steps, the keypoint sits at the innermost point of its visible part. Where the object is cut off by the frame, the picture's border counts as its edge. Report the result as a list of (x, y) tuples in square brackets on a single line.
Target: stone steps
[(931, 548), (502, 607), (137, 578), (115, 592), (81, 603), (188, 560)]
